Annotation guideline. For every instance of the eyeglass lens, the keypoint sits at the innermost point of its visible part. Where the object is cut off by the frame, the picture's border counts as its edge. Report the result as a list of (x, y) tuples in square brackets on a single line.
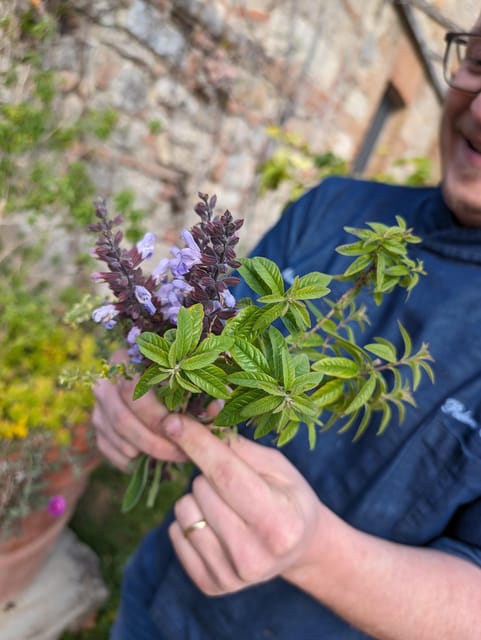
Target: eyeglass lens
[(462, 64)]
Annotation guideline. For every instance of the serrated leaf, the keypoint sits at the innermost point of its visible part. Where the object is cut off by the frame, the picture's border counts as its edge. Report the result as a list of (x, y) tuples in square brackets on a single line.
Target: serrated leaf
[(362, 396), (266, 404), (153, 347), (337, 367), (211, 380), (242, 324), (276, 342), (262, 275), (384, 351), (248, 357), (137, 484), (151, 376), (380, 270)]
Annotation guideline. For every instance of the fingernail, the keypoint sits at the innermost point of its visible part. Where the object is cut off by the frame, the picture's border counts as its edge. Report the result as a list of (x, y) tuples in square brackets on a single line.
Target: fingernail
[(173, 425)]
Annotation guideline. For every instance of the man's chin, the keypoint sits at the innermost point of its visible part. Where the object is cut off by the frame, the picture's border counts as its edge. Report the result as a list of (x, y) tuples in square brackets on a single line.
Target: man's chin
[(464, 200)]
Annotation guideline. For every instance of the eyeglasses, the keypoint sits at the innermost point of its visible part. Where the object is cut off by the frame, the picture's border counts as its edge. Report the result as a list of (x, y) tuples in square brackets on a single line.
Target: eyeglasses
[(462, 61)]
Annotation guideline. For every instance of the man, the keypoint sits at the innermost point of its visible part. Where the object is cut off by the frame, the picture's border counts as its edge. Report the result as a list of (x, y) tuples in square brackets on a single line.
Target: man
[(381, 538)]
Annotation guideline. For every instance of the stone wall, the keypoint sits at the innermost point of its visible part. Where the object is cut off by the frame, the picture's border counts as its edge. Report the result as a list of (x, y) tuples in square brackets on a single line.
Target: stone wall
[(216, 73)]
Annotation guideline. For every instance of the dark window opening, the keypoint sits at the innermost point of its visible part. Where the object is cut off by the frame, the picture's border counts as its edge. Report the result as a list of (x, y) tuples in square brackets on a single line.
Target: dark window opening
[(390, 103)]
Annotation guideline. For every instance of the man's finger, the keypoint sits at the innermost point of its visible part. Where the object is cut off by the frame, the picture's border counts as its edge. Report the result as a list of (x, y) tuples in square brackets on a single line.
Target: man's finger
[(231, 476)]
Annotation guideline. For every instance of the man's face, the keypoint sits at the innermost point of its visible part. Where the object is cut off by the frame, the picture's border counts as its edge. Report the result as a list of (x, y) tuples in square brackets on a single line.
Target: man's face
[(460, 137)]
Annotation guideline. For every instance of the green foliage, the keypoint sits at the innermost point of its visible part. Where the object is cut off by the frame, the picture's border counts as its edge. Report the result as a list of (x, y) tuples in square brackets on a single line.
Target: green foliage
[(315, 374), (295, 163)]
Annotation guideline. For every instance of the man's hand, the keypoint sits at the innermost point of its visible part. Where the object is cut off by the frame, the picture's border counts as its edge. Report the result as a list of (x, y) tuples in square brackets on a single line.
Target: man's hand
[(262, 516), (126, 428)]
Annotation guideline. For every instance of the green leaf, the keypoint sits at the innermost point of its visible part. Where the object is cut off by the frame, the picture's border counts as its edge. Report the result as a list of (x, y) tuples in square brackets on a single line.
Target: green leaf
[(153, 347), (189, 330), (266, 424), (363, 425), (358, 265), (255, 380), (328, 393), (384, 351), (305, 406), (155, 484), (215, 343), (312, 435), (299, 315), (230, 413), (386, 417), (310, 287), (137, 483), (248, 357), (306, 382), (267, 315), (337, 367), (199, 360), (151, 376), (288, 433), (407, 341), (210, 380), (262, 275), (380, 269), (266, 404), (363, 395), (185, 383), (353, 249)]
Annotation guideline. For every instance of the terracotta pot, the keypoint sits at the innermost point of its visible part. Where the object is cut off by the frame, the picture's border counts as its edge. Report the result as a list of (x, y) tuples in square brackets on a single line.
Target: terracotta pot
[(23, 555)]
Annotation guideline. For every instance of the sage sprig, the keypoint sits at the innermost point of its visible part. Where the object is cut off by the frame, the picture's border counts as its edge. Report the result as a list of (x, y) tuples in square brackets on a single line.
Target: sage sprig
[(287, 360)]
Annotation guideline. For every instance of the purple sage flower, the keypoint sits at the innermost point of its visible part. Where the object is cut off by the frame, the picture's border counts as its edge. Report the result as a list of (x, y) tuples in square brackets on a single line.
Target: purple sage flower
[(57, 505), (144, 296), (105, 314), (146, 246), (132, 335)]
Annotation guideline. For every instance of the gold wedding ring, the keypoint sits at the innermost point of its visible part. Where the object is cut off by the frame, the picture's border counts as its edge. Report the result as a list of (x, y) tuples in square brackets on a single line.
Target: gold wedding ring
[(200, 524)]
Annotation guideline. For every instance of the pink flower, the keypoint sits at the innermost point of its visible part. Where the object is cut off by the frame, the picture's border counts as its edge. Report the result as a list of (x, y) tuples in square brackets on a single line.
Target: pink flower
[(57, 505)]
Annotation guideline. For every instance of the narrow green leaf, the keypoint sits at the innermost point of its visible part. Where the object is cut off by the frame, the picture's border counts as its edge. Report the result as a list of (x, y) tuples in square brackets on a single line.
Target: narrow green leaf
[(137, 483), (299, 315), (185, 383), (363, 425), (255, 380), (353, 249), (305, 406), (199, 360), (358, 265), (215, 343), (407, 341), (386, 417), (265, 404), (230, 413), (363, 395), (312, 435), (337, 367), (380, 270), (288, 433), (328, 393), (384, 351), (155, 484), (265, 424)]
